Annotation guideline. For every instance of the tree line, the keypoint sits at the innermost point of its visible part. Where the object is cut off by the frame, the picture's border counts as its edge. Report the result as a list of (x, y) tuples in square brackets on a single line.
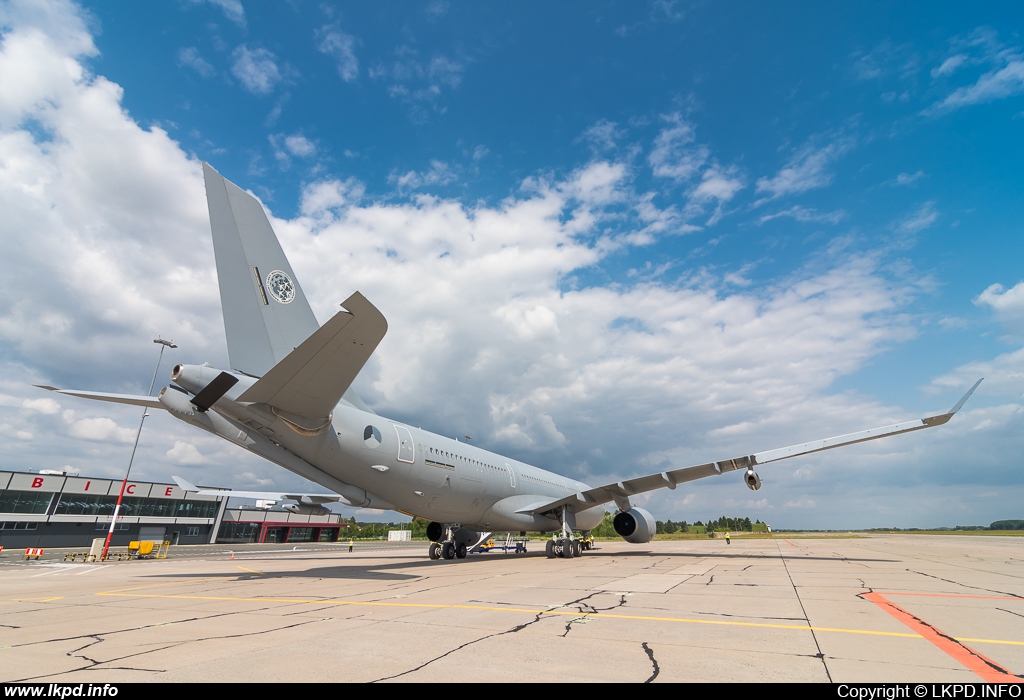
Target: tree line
[(358, 530), (668, 527)]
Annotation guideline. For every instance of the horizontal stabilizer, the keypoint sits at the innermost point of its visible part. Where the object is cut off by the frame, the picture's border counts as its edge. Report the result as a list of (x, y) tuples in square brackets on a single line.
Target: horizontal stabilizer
[(313, 377), (315, 499), (131, 399)]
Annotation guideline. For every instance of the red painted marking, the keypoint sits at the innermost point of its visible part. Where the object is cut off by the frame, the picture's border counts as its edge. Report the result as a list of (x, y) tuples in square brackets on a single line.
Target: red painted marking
[(789, 543), (87, 486), (168, 491), (985, 668), (37, 482)]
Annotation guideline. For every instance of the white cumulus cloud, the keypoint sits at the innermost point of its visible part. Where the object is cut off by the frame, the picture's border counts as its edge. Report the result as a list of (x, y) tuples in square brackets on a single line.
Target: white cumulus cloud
[(341, 47), (808, 169), (257, 69)]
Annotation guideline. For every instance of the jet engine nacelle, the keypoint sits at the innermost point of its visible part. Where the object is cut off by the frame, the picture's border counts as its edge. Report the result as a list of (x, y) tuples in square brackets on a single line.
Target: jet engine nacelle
[(193, 378), (752, 479), (435, 532), (302, 509), (635, 525)]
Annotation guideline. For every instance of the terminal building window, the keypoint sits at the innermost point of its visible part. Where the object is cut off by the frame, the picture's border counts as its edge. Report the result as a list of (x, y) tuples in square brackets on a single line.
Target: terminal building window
[(83, 504), (25, 502), (238, 533), (301, 534), (18, 526)]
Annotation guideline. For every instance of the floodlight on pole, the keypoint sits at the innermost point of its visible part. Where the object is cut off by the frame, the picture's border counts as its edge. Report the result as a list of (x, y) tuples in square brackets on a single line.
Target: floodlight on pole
[(164, 344)]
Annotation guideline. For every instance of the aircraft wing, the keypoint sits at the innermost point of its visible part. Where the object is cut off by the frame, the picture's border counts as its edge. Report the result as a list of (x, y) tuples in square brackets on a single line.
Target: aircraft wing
[(131, 399), (620, 491), (314, 499)]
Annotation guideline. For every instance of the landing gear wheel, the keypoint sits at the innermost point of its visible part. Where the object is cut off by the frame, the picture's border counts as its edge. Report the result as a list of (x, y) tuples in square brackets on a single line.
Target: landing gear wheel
[(435, 550), (576, 549), (549, 549), (567, 549), (448, 550), (460, 551)]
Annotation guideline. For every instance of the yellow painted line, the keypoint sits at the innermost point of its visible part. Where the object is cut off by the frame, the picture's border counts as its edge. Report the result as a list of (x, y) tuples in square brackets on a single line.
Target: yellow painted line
[(988, 641), (163, 584), (33, 600), (251, 571), (532, 611)]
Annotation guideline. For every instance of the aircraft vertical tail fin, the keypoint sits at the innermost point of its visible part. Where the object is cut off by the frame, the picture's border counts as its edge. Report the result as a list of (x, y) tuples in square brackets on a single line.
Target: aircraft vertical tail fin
[(266, 315)]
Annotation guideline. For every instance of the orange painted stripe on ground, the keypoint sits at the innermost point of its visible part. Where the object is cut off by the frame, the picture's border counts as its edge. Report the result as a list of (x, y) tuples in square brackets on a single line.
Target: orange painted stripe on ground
[(954, 595), (986, 669), (789, 543)]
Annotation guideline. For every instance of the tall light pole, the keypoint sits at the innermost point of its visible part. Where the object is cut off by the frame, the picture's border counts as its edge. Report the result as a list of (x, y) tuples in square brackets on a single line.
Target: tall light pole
[(145, 412)]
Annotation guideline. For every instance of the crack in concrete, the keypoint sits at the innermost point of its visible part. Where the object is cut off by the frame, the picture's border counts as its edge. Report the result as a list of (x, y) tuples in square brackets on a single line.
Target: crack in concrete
[(1009, 611), (749, 617), (654, 662), (592, 609), (94, 664), (134, 629), (957, 583), (513, 630), (710, 580), (847, 560), (569, 624), (803, 609), (306, 612), (580, 602)]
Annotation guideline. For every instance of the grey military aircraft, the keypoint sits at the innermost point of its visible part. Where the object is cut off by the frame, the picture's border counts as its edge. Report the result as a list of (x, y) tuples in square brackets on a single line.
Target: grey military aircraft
[(287, 398)]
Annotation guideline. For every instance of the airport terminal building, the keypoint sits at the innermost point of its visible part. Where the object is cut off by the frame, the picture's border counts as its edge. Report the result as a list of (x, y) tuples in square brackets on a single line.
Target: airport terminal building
[(61, 510)]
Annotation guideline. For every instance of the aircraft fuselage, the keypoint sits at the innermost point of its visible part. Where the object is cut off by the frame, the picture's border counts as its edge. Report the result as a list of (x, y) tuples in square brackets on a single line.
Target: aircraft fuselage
[(375, 462)]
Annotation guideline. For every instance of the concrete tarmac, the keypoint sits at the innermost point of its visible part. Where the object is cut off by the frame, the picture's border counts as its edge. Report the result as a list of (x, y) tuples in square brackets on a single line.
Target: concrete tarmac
[(888, 608)]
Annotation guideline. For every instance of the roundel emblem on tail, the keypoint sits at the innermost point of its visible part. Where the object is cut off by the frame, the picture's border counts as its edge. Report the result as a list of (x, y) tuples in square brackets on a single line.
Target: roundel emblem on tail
[(281, 287), (371, 436)]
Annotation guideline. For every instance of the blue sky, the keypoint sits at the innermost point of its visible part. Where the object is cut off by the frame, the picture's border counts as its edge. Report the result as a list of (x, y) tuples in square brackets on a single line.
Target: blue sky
[(609, 238)]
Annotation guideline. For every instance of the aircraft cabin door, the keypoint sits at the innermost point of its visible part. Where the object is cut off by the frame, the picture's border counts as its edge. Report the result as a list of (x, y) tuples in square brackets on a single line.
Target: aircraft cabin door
[(406, 447)]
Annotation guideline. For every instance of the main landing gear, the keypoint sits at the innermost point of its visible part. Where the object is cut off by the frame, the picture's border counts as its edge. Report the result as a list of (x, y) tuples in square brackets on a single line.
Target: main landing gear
[(443, 544), (565, 544), (566, 548)]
